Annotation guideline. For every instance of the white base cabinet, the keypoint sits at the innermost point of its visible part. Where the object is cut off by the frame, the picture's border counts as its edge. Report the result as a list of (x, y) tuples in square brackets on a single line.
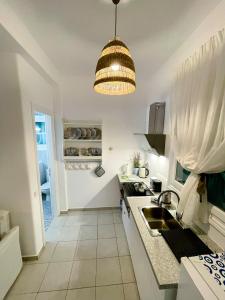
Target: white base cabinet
[(192, 285), (146, 281)]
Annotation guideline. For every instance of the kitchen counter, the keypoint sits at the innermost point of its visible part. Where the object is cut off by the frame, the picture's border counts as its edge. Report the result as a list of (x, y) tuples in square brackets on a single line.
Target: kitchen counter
[(163, 262), (133, 178)]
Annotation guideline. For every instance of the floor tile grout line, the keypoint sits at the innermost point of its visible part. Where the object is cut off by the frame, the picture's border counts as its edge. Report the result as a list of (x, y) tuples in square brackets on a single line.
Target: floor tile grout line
[(54, 250), (120, 265), (71, 270), (49, 291), (124, 292), (43, 278), (121, 271), (96, 270), (75, 250), (79, 288), (117, 247), (59, 290), (80, 259)]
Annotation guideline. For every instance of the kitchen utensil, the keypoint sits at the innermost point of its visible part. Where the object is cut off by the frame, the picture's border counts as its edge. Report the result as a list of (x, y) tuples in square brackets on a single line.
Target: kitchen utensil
[(77, 133), (139, 187), (143, 172), (71, 151), (157, 185), (73, 134), (88, 135), (93, 133), (95, 151), (99, 171), (98, 134), (83, 133), (151, 181), (84, 152), (67, 133)]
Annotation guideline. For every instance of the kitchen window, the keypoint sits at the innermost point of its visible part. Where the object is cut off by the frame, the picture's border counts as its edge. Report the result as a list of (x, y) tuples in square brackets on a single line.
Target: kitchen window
[(181, 174), (215, 184)]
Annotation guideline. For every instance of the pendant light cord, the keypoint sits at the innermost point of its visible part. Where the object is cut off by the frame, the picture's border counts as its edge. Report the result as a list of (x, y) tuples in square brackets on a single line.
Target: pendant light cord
[(115, 21)]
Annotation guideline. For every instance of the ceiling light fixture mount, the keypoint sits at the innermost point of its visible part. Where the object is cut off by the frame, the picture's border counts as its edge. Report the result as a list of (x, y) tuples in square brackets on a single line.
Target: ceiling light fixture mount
[(115, 71)]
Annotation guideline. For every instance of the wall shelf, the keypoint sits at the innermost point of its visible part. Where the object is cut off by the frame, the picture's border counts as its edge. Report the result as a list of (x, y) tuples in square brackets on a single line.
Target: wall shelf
[(82, 141), (81, 123), (76, 145), (83, 158)]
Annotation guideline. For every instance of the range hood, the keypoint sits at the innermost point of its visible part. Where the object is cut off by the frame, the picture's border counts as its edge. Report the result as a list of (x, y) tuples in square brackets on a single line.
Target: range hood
[(155, 136), (157, 142)]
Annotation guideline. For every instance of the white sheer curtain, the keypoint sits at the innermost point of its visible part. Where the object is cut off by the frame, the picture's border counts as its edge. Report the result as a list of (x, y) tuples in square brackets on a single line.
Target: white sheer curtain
[(198, 121)]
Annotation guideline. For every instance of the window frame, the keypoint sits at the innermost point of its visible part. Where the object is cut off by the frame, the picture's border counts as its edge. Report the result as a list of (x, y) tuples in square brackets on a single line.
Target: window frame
[(172, 174)]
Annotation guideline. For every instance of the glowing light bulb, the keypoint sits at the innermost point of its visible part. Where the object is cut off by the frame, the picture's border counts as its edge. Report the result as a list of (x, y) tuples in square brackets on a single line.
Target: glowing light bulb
[(115, 67)]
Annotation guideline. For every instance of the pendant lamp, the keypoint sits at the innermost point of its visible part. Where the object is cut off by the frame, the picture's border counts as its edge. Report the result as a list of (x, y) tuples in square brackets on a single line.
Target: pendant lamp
[(115, 71)]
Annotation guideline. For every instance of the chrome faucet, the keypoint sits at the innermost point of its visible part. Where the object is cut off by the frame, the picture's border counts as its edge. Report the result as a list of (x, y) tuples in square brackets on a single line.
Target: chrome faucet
[(166, 199)]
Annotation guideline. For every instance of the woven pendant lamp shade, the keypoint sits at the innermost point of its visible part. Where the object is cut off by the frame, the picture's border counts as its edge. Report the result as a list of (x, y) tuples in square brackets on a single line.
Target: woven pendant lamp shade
[(115, 71)]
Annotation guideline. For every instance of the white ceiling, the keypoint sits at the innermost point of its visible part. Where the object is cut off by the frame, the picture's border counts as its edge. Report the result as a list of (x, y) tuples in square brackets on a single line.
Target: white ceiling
[(72, 32)]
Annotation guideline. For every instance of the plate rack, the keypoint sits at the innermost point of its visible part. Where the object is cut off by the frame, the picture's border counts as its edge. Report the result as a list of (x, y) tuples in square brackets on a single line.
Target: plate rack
[(82, 141)]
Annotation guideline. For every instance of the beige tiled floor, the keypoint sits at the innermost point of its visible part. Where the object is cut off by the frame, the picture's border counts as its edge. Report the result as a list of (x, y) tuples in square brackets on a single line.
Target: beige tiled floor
[(86, 258)]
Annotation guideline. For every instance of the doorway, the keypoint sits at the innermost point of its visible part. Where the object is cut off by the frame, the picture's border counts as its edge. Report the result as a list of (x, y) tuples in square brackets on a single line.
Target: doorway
[(43, 132)]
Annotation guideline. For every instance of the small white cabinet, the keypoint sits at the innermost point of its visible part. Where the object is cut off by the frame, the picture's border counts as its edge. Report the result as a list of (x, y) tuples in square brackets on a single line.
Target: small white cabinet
[(146, 281)]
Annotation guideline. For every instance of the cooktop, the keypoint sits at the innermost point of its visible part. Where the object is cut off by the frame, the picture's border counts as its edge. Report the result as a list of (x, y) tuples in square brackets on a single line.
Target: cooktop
[(136, 189)]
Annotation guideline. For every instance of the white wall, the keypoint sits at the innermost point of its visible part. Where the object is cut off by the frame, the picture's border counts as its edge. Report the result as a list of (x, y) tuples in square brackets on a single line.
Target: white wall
[(25, 44), (35, 92), (121, 118), (159, 85), (13, 171), (33, 88), (61, 188), (39, 95), (20, 88)]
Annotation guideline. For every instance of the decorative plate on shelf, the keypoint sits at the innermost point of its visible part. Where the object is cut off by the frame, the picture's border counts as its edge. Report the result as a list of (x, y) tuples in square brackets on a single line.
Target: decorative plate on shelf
[(98, 133), (71, 151), (88, 135), (83, 133), (77, 133), (67, 133), (93, 133)]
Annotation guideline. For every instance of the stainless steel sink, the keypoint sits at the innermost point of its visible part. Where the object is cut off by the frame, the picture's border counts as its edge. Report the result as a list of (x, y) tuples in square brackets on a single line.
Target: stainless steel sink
[(158, 218)]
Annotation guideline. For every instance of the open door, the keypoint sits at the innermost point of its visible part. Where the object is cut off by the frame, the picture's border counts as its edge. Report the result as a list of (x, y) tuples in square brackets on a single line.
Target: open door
[(45, 162)]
